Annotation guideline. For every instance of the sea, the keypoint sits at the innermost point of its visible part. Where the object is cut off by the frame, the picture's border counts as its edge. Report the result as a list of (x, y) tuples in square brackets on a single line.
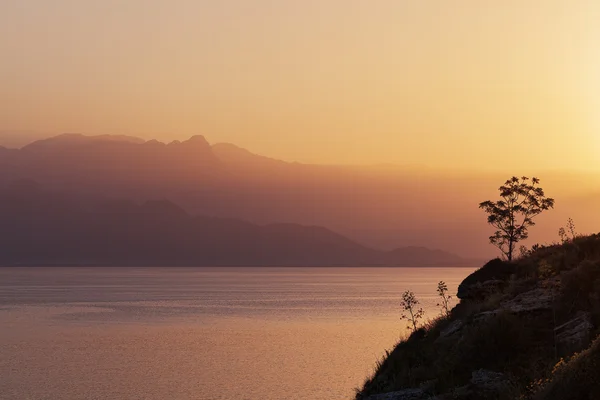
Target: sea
[(125, 333)]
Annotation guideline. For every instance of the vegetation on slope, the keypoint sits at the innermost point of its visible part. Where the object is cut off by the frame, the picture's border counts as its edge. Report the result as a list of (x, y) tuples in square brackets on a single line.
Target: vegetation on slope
[(515, 333)]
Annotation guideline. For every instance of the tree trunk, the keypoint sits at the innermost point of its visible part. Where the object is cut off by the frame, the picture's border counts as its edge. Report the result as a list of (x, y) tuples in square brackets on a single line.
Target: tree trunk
[(511, 246)]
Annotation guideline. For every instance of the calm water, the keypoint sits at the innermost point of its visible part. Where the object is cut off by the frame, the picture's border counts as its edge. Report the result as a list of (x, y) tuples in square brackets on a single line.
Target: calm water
[(207, 334)]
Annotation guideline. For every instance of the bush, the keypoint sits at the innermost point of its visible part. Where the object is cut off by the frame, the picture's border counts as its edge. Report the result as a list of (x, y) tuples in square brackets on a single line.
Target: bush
[(520, 345), (508, 343), (577, 286), (576, 379)]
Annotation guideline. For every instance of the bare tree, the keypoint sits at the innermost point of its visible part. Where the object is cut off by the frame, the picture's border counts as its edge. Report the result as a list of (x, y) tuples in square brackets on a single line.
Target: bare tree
[(520, 201), (442, 290), (411, 313)]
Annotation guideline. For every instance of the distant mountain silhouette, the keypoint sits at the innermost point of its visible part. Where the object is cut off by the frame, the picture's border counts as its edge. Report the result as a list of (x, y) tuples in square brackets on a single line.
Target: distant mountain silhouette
[(41, 228), (108, 153), (111, 165), (381, 206), (75, 139)]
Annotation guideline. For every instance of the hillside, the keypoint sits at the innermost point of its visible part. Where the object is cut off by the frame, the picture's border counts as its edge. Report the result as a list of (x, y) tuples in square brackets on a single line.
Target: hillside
[(522, 330), (48, 228)]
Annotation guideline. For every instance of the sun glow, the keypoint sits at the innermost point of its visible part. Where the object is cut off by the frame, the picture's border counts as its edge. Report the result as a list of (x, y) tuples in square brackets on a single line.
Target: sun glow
[(342, 81), (591, 86)]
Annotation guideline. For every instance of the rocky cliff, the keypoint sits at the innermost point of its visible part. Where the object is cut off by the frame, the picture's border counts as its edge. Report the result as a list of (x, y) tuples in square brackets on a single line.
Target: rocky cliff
[(522, 330)]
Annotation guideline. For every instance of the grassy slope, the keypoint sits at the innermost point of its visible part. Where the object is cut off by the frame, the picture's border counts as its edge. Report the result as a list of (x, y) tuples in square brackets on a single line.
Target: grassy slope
[(522, 345)]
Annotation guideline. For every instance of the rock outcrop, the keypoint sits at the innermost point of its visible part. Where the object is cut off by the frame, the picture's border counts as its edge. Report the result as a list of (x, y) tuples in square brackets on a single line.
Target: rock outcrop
[(575, 333), (490, 278), (533, 300), (521, 330)]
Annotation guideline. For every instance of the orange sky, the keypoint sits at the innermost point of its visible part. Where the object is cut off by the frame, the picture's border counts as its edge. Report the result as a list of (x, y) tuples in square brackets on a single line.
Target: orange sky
[(462, 84)]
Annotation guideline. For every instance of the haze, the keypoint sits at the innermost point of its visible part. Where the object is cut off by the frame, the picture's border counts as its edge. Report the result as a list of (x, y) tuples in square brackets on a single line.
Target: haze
[(461, 84)]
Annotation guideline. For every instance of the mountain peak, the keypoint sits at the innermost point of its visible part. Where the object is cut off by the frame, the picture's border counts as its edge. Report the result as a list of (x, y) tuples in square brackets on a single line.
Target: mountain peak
[(195, 143), (192, 152), (198, 139)]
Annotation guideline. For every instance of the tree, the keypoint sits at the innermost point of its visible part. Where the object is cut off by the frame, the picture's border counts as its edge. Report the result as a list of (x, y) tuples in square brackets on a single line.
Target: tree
[(409, 304), (512, 215), (442, 290)]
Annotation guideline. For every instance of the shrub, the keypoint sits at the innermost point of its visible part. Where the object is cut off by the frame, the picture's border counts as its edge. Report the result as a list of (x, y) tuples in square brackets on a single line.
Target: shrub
[(576, 379), (445, 298), (413, 314), (578, 284)]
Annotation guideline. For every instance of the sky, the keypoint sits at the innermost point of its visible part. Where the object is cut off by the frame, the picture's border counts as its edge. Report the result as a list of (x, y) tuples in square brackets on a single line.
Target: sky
[(453, 84)]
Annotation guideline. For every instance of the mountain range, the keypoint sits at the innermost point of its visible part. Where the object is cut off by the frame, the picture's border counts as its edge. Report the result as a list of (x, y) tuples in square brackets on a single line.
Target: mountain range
[(383, 207), (45, 228)]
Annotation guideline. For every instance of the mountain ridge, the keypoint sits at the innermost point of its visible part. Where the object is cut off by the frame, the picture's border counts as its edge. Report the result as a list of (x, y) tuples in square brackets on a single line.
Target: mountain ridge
[(41, 228), (381, 207)]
